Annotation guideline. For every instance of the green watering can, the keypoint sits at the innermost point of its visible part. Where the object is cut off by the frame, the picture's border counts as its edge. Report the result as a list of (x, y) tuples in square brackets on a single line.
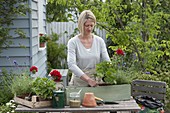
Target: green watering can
[(58, 99)]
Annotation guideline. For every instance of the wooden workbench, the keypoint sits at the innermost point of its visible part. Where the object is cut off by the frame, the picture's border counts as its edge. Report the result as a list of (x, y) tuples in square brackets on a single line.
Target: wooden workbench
[(128, 105)]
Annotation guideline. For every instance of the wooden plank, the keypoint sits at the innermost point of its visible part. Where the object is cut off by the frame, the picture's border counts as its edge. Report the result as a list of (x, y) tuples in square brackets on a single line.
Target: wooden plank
[(31, 104), (15, 52), (129, 105), (149, 82), (20, 23), (9, 61), (23, 102), (42, 104), (149, 89)]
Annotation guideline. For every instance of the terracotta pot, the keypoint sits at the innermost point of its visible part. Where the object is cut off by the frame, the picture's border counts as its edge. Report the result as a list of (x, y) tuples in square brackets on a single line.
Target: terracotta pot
[(89, 100), (42, 44)]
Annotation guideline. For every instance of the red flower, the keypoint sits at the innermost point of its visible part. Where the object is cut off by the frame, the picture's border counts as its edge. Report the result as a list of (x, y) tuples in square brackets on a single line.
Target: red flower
[(56, 75), (119, 52), (34, 69), (41, 34)]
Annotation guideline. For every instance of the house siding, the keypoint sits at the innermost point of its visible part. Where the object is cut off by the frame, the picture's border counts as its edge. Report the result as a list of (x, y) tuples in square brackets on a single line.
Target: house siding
[(25, 51), (39, 57)]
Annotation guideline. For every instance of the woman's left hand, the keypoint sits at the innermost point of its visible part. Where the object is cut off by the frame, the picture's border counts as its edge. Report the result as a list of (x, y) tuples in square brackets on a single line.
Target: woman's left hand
[(92, 83)]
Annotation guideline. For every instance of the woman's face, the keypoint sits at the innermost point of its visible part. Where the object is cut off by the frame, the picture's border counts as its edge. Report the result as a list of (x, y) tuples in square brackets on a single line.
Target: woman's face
[(88, 26)]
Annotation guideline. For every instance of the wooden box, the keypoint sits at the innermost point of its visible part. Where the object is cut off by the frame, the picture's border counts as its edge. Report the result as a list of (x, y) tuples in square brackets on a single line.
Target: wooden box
[(107, 93), (39, 104)]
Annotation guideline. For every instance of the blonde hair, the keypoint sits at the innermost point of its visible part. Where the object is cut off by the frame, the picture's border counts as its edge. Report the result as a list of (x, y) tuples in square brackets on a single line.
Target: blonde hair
[(86, 14)]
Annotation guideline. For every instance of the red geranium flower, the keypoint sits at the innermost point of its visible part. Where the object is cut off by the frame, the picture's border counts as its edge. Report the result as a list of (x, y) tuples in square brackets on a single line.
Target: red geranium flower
[(41, 34), (119, 52), (34, 69), (56, 75)]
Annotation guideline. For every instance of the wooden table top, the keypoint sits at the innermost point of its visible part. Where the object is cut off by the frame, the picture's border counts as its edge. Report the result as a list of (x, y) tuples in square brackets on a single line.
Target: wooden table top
[(128, 105)]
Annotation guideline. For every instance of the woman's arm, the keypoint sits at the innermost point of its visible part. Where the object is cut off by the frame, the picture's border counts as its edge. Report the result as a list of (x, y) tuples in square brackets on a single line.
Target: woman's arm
[(104, 54), (71, 58)]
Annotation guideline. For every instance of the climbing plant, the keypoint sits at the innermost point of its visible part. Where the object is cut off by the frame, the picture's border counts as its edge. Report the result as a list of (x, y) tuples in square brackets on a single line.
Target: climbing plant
[(9, 9)]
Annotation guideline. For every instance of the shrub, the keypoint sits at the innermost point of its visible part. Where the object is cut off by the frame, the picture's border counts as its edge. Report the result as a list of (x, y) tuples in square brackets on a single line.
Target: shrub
[(21, 84), (5, 91), (56, 53)]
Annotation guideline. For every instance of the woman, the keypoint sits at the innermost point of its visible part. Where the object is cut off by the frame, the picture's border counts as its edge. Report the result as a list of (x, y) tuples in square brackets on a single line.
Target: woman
[(85, 50)]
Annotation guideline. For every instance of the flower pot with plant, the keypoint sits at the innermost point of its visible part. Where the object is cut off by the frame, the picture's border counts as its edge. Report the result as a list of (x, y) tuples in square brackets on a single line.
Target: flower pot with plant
[(56, 77), (21, 86), (33, 71), (43, 39), (113, 72), (43, 87)]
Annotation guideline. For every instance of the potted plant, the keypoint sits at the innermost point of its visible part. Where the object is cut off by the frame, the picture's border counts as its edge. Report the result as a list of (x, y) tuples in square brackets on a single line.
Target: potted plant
[(43, 87), (43, 39), (33, 69), (33, 92), (21, 85), (41, 92), (113, 72), (56, 77)]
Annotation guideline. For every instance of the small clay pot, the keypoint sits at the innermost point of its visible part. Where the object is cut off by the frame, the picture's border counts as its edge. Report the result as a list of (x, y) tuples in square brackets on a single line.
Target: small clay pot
[(89, 100)]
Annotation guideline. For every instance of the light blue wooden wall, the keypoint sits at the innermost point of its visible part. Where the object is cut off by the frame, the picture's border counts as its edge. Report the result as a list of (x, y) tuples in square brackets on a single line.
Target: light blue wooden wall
[(30, 54)]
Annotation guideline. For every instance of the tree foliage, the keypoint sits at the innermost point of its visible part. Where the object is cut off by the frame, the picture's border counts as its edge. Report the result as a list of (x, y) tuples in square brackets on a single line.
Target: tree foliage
[(139, 27)]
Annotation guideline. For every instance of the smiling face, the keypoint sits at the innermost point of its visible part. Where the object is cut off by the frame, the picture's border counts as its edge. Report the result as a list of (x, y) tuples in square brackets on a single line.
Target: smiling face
[(88, 26)]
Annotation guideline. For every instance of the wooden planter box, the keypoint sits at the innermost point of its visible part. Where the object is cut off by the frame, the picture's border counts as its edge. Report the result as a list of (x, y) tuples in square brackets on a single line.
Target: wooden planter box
[(39, 104), (107, 93)]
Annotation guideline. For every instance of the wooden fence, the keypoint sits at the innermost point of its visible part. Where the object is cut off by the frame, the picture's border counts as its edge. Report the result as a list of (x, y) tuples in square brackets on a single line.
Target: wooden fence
[(66, 30)]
